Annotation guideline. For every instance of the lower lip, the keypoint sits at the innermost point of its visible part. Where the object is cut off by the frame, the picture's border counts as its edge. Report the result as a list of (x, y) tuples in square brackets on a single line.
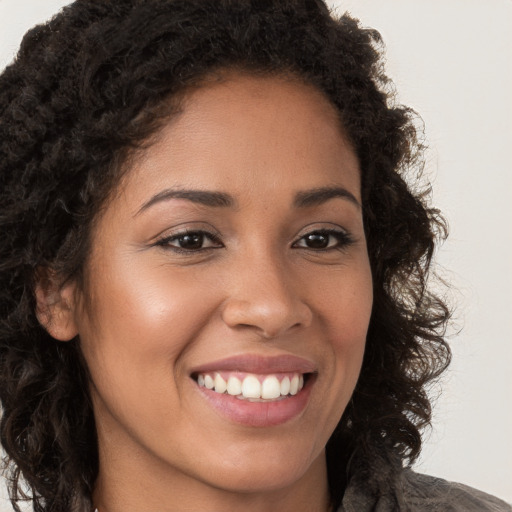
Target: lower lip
[(259, 414)]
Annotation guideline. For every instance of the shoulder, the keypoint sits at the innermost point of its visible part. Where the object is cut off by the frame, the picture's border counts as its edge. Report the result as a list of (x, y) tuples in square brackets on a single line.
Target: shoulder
[(422, 492), (407, 491)]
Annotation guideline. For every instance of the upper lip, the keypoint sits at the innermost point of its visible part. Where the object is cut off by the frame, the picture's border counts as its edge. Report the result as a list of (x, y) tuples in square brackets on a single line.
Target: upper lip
[(251, 363)]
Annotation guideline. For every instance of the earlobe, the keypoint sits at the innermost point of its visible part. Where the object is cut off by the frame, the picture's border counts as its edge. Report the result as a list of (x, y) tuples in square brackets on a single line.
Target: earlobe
[(55, 305)]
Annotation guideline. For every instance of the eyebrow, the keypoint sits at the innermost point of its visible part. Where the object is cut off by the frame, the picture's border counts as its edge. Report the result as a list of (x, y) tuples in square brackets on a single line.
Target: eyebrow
[(203, 197), (321, 195), (213, 199)]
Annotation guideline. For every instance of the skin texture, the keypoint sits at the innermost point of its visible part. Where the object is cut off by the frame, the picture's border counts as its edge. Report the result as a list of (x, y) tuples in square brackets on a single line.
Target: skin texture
[(149, 314)]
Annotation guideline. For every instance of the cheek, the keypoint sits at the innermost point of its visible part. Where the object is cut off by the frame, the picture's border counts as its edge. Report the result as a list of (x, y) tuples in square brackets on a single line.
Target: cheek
[(346, 307), (142, 322), (135, 334)]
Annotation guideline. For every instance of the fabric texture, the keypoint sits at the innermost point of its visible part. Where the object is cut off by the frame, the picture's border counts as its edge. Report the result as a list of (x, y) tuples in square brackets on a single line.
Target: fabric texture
[(413, 492)]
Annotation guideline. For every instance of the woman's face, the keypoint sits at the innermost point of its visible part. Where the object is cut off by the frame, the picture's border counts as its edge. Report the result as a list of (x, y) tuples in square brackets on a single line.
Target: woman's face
[(233, 255)]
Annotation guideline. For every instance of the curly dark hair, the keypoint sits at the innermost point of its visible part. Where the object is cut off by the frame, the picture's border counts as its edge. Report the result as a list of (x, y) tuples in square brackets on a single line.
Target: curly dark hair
[(91, 86)]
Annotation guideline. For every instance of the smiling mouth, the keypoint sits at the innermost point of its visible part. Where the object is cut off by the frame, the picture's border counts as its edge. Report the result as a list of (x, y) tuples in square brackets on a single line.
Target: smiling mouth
[(253, 387)]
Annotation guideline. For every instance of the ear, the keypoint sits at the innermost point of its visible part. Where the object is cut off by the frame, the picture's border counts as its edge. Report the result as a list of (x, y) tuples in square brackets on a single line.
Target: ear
[(56, 305)]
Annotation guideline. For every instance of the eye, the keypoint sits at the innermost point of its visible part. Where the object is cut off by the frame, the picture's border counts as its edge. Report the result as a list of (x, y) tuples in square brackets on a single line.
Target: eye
[(324, 239), (191, 241)]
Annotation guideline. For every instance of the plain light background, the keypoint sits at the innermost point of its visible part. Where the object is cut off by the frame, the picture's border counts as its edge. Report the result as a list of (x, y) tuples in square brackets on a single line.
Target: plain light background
[(452, 62)]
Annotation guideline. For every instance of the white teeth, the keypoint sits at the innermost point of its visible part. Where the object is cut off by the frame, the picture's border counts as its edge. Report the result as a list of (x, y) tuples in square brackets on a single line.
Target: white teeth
[(234, 386), (270, 388), (250, 387), (285, 386), (294, 385), (220, 384), (208, 382)]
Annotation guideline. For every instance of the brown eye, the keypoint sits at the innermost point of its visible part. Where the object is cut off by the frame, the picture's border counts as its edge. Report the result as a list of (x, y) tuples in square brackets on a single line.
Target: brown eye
[(324, 240), (190, 241), (317, 240)]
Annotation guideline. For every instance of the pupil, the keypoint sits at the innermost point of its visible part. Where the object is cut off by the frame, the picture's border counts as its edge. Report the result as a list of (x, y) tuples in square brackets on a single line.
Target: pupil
[(317, 241), (191, 241)]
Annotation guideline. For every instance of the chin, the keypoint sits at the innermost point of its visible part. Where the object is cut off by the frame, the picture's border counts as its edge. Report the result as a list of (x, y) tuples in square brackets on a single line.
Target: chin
[(266, 470)]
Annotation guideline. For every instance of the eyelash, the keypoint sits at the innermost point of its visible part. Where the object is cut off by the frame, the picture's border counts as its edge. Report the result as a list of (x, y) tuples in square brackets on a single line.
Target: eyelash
[(343, 240), (166, 241)]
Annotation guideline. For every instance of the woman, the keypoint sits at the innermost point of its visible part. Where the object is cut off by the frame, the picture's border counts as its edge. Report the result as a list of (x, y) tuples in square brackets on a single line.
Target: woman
[(214, 274)]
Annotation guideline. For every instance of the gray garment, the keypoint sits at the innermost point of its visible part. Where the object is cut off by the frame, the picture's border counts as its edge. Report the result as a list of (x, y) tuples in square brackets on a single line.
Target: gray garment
[(414, 492)]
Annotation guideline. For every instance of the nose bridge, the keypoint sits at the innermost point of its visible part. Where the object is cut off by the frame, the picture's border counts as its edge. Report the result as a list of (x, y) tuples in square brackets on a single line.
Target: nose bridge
[(263, 294)]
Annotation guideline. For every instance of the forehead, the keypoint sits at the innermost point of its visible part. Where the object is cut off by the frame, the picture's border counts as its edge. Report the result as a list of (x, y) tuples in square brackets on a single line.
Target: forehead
[(245, 133)]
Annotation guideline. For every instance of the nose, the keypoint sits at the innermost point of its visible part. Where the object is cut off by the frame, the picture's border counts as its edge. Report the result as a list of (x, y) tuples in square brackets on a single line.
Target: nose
[(264, 296)]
